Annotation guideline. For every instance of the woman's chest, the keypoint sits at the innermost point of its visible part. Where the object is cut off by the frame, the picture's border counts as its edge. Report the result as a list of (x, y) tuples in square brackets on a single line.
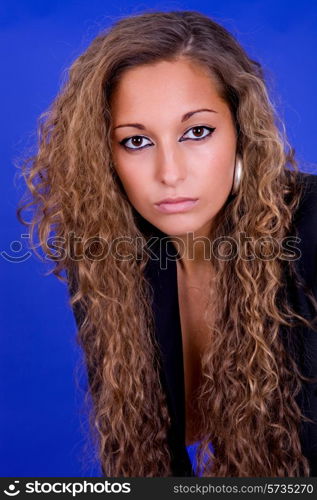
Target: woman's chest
[(193, 301)]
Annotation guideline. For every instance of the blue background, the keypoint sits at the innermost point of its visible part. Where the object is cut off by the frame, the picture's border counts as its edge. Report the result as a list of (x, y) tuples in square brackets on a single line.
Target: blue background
[(43, 420)]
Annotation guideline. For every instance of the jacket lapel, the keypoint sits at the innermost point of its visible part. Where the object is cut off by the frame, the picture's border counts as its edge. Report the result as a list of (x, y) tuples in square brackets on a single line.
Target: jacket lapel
[(162, 276)]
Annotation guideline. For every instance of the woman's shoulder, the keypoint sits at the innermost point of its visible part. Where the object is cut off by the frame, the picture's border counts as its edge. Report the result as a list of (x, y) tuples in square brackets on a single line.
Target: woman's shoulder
[(305, 215), (305, 225), (308, 202)]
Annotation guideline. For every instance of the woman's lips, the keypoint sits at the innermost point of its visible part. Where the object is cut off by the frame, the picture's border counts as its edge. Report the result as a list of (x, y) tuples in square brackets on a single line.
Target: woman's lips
[(176, 207)]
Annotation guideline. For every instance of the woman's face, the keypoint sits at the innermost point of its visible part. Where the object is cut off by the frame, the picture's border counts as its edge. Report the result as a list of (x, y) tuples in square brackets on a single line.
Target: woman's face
[(173, 137)]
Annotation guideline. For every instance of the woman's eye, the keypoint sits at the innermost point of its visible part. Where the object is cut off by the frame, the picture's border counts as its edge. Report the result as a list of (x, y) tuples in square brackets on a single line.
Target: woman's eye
[(200, 129), (136, 142)]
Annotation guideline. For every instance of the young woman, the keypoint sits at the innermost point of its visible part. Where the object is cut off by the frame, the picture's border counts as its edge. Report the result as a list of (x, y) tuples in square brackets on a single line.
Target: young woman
[(189, 238)]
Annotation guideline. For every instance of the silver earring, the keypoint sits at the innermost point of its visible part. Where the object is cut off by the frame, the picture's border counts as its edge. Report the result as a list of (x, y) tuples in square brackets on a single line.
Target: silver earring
[(238, 169)]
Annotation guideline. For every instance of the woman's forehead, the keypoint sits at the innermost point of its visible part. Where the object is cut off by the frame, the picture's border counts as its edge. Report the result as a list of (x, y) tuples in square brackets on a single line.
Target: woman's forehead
[(173, 87)]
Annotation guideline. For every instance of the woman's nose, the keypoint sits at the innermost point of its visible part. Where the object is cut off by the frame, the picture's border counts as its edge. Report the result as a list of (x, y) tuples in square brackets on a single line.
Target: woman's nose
[(171, 167)]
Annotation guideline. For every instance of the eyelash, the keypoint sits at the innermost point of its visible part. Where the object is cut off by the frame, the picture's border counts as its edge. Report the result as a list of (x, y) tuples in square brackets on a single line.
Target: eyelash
[(210, 129)]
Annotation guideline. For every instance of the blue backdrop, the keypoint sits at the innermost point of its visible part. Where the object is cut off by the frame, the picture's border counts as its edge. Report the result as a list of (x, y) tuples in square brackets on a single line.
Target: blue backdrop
[(43, 420)]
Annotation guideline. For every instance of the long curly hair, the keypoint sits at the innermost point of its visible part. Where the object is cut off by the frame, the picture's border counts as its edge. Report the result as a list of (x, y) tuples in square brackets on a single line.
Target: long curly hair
[(247, 401)]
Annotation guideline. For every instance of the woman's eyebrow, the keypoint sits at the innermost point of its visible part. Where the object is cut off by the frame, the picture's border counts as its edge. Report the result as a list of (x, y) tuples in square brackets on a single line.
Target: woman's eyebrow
[(185, 117)]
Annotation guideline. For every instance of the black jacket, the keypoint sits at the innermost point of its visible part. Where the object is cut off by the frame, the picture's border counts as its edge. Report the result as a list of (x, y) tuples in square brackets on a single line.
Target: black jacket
[(163, 279)]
